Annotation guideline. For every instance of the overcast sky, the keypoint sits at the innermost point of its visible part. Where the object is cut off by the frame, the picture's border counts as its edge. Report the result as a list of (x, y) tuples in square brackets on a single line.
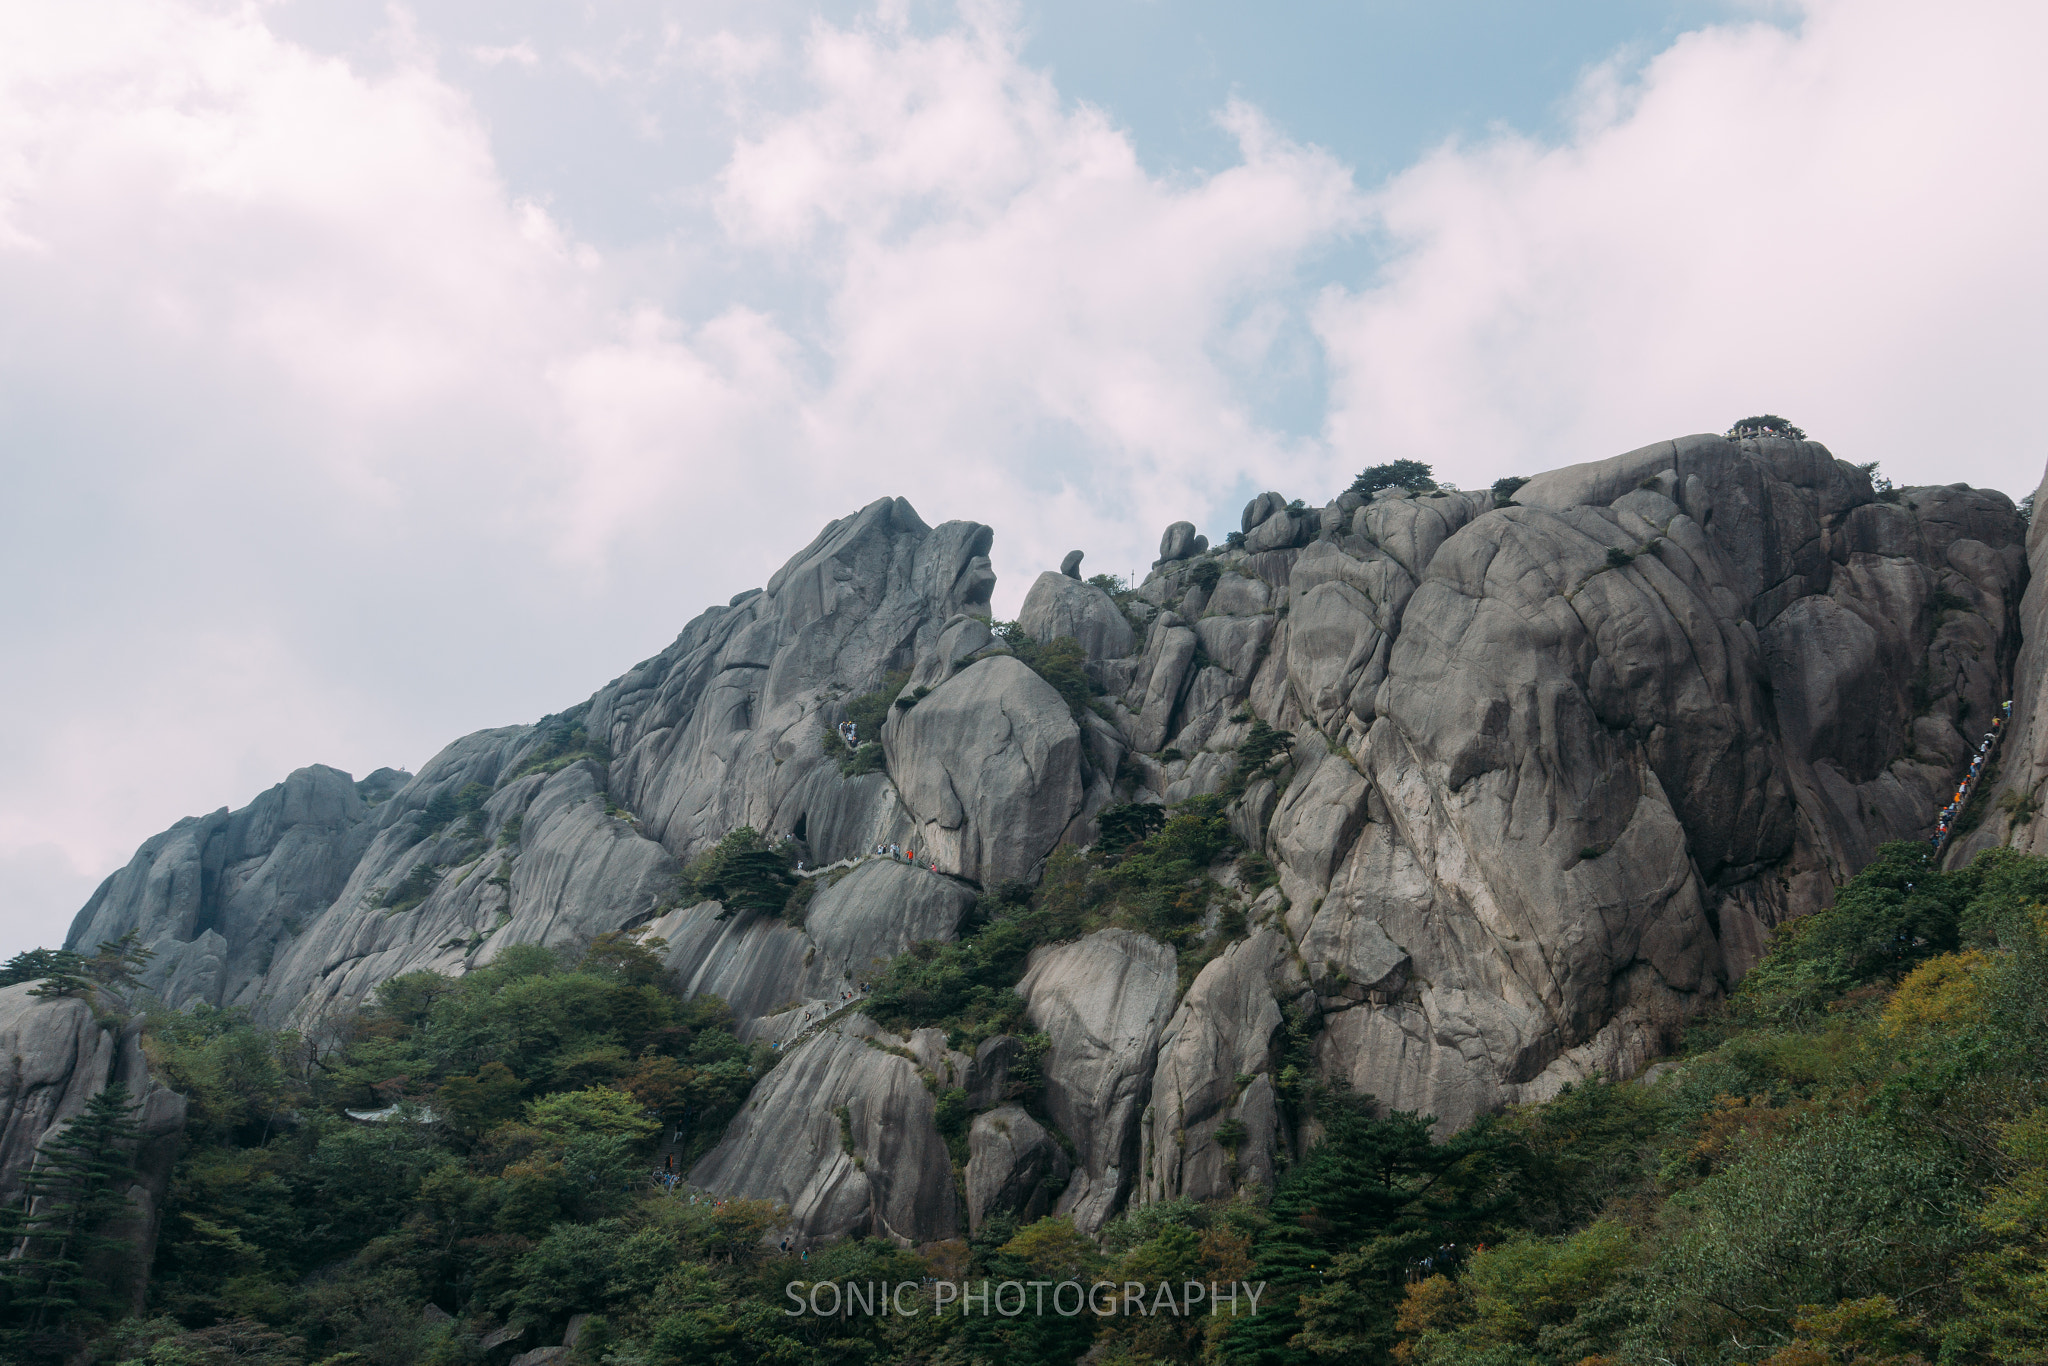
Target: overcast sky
[(369, 375)]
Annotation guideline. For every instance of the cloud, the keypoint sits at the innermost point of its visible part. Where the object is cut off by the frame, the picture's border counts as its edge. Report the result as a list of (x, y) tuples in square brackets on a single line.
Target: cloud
[(329, 446), (1830, 221), (520, 53)]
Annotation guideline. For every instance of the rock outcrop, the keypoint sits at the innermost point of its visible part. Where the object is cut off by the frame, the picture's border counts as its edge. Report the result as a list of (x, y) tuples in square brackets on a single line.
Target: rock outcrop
[(1544, 772), (843, 1134), (1014, 1165), (1102, 1001), (55, 1055)]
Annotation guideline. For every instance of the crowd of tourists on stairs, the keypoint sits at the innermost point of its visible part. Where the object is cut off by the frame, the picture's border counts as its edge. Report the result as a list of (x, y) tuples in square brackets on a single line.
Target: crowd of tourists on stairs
[(1978, 761)]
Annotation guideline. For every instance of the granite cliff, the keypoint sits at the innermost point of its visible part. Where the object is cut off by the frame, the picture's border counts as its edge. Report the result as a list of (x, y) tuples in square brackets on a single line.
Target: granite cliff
[(1557, 763)]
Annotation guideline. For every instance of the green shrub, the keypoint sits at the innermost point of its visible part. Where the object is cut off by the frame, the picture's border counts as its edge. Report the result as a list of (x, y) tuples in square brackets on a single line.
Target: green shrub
[(563, 742), (745, 872), (415, 887), (1617, 558), (1205, 575), (1062, 663), (1124, 824), (794, 909), (867, 713), (1407, 474), (1256, 756), (1504, 490), (1766, 424), (871, 709)]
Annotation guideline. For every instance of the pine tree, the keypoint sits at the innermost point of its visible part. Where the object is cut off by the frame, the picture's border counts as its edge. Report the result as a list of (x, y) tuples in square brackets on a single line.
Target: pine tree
[(38, 965), (58, 1226), (1372, 1197), (117, 961)]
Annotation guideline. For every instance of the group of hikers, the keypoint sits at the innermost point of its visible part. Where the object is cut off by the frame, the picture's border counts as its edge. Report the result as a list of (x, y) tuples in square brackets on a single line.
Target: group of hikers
[(897, 851), (1443, 1261), (1962, 792), (850, 733), (813, 1014)]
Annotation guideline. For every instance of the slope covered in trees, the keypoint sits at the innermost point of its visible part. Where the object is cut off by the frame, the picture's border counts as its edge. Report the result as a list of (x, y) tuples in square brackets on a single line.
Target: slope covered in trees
[(1849, 1164)]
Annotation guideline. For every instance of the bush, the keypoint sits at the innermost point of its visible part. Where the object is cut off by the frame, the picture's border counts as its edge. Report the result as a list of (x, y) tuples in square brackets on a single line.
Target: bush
[(1205, 575), (745, 872), (1062, 663), (1617, 558), (867, 713), (1256, 753), (415, 887), (1504, 490), (1125, 823), (1767, 424), (1407, 474), (563, 742)]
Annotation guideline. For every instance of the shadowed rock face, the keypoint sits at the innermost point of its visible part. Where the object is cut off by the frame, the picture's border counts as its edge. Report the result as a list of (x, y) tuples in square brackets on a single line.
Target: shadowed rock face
[(54, 1057), (1556, 768)]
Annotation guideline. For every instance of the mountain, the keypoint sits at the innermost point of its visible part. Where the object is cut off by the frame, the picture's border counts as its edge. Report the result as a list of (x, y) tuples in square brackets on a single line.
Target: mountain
[(1511, 784)]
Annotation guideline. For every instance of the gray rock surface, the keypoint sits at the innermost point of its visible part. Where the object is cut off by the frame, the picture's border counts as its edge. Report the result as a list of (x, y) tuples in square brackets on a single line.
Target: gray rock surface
[(989, 770), (1013, 1165), (55, 1055), (1071, 565), (771, 973), (1179, 542), (842, 1133), (1059, 606), (1216, 1062), (1554, 771), (1102, 1000)]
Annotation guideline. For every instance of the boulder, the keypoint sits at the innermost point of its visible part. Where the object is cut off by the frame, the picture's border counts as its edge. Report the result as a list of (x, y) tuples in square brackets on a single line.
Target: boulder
[(989, 769), (1259, 509), (1058, 606), (1180, 542), (1071, 565), (1283, 529), (1102, 1001), (841, 1132), (1013, 1165)]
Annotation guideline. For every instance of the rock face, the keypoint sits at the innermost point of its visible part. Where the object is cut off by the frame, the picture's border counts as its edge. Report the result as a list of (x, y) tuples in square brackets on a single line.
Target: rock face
[(990, 762), (1015, 1165), (54, 1057), (843, 1133), (1060, 606), (1102, 1001), (2013, 789), (1552, 770), (774, 974)]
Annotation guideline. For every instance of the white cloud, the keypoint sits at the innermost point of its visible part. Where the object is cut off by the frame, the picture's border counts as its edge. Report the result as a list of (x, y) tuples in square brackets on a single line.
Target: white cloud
[(1833, 223), (520, 53)]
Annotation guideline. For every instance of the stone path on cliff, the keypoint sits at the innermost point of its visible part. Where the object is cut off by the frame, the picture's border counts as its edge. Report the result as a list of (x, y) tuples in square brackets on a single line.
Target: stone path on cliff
[(1980, 764)]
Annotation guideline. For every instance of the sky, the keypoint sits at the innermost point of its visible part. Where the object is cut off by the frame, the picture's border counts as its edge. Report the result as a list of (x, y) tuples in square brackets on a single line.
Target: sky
[(374, 374)]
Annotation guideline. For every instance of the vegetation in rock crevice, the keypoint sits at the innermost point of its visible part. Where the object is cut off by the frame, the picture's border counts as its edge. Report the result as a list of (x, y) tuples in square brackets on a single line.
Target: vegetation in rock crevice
[(563, 741)]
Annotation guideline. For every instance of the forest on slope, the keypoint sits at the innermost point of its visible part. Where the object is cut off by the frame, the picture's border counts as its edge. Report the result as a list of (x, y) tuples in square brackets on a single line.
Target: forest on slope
[(1846, 1164)]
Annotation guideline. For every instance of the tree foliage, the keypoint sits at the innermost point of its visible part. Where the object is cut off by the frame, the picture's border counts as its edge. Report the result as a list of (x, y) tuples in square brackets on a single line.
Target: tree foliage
[(1406, 474), (1766, 424)]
